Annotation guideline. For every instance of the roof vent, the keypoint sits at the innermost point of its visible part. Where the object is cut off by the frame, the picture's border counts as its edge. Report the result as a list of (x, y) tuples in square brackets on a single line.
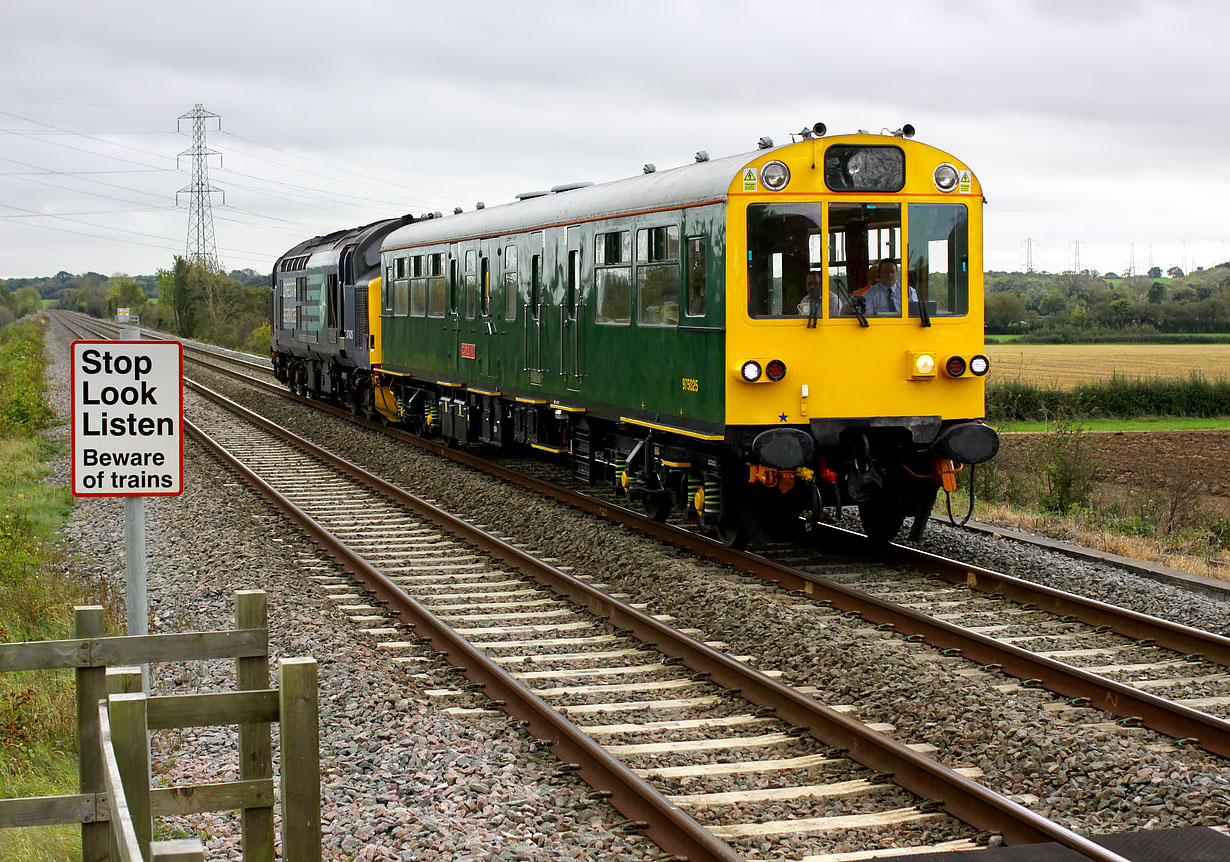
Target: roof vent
[(765, 143), (649, 168), (525, 196), (702, 156), (457, 210), (567, 187), (480, 206)]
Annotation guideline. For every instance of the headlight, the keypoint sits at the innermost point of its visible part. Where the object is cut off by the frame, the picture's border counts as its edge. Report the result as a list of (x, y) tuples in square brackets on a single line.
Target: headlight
[(955, 366), (750, 371), (776, 369), (775, 175), (921, 365), (979, 365), (946, 177)]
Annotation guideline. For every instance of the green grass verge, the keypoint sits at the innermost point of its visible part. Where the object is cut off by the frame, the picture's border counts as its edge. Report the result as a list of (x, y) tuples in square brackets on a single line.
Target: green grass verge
[(1155, 423), (37, 710)]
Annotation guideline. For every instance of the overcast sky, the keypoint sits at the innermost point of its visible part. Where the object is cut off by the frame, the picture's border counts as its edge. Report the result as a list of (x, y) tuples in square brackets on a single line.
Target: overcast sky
[(1091, 120)]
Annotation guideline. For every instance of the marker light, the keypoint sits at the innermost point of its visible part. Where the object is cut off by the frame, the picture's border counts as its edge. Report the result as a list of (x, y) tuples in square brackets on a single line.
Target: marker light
[(775, 175), (979, 365), (924, 364), (776, 369), (955, 366), (750, 371), (945, 177)]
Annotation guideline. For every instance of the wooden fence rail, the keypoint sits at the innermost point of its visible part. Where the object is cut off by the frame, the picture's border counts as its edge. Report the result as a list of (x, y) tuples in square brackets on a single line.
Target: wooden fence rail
[(115, 804)]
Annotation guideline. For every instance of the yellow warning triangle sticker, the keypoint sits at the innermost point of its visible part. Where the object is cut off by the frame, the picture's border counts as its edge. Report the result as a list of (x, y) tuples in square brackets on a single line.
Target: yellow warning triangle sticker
[(750, 175)]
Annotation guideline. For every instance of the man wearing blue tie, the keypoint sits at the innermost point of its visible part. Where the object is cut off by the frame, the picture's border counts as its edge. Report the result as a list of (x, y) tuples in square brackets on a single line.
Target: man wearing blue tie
[(884, 297)]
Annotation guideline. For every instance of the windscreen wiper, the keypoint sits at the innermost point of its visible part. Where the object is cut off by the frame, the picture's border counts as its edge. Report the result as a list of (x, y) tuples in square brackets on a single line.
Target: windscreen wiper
[(857, 304)]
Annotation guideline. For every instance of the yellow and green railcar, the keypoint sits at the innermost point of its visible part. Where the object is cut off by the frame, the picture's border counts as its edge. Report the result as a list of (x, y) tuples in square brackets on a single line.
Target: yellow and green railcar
[(753, 340)]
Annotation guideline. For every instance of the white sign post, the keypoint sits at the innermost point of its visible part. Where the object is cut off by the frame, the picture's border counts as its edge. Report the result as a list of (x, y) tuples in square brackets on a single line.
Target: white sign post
[(128, 440)]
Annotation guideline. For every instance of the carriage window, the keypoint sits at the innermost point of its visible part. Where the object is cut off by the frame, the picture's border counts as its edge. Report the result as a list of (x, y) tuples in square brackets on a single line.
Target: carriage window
[(613, 291), (399, 267), (938, 271), (613, 277), (437, 290), (418, 297), (657, 276), (386, 289), (416, 266), (696, 276), (657, 243), (864, 255), (612, 248), (401, 297), (437, 296), (783, 246)]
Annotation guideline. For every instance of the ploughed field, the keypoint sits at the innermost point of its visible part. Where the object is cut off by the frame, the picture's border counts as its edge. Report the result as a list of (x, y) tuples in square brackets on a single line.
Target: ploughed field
[(1128, 463), (1062, 366)]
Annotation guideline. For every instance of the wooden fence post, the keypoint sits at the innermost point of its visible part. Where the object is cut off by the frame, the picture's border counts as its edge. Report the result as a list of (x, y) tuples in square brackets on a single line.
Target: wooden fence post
[(91, 688), (123, 680), (255, 742), (299, 719), (130, 738)]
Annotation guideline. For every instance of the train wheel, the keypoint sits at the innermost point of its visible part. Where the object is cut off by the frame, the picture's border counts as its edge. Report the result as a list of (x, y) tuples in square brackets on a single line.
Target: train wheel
[(657, 505), (882, 519), (732, 532)]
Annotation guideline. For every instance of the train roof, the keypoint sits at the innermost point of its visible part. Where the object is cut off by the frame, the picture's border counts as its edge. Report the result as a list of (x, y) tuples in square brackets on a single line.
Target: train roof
[(688, 185), (361, 237)]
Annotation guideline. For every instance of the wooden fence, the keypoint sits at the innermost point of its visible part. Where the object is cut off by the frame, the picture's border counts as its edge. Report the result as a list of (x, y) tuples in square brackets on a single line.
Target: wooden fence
[(116, 804)]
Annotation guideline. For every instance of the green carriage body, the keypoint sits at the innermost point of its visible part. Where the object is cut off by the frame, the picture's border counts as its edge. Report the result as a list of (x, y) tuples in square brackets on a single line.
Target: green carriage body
[(581, 299)]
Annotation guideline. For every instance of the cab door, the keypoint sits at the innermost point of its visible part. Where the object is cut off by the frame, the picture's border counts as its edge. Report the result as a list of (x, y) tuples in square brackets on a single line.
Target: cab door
[(533, 314), (485, 328), (455, 307), (571, 370)]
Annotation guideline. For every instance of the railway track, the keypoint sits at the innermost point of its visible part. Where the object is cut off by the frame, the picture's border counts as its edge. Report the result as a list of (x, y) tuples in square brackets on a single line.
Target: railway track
[(1091, 653), (549, 647), (899, 586)]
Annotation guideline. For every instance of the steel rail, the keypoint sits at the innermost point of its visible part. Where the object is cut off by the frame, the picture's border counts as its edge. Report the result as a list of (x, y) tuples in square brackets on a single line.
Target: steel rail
[(961, 797)]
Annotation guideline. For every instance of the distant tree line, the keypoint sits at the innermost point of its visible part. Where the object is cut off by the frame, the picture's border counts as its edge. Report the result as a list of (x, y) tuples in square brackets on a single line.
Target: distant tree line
[(188, 299), (1087, 306)]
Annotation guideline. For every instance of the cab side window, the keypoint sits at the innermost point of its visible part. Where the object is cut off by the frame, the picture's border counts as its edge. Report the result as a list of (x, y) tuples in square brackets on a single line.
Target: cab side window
[(657, 276)]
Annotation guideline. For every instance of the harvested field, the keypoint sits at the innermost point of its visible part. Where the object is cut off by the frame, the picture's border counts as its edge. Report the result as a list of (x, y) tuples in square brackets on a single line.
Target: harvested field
[(1062, 366), (1171, 468)]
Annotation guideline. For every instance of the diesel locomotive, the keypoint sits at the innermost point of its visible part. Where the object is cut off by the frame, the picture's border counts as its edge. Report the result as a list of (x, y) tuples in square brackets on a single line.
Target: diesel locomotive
[(754, 341)]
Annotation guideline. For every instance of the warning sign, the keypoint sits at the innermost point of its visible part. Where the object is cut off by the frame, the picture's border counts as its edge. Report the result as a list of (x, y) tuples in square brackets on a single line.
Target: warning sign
[(749, 180), (964, 185), (127, 418)]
